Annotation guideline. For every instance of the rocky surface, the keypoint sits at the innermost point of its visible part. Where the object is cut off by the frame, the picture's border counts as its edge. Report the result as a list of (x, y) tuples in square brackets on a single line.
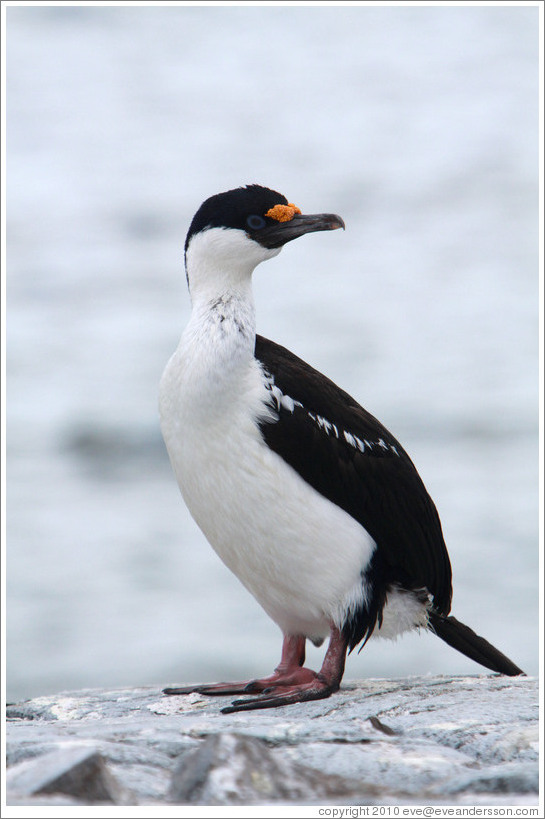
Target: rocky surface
[(420, 740)]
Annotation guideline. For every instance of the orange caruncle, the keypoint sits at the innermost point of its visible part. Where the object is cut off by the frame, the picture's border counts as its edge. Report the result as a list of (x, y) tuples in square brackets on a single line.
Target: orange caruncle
[(283, 213)]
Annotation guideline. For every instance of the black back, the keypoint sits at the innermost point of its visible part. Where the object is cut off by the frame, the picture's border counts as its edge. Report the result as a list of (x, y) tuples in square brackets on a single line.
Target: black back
[(378, 486)]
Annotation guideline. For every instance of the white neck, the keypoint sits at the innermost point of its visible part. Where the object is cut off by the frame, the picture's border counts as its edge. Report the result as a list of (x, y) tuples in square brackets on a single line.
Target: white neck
[(217, 347), (220, 262)]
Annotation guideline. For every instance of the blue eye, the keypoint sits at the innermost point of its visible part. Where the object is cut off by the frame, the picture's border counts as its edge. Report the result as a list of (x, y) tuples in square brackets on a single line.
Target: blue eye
[(255, 222)]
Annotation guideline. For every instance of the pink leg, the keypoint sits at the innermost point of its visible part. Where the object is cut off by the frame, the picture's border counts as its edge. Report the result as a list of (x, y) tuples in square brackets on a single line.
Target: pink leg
[(288, 672), (310, 686)]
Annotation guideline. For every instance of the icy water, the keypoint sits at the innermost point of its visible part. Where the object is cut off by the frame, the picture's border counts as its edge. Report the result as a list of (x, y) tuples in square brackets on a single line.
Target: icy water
[(419, 127)]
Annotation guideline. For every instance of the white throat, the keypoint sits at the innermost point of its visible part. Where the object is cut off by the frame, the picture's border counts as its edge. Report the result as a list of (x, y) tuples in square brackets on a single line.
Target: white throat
[(215, 358), (220, 262)]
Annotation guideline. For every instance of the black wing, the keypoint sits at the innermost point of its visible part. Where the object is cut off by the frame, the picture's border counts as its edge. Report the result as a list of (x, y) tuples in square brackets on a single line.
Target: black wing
[(351, 458)]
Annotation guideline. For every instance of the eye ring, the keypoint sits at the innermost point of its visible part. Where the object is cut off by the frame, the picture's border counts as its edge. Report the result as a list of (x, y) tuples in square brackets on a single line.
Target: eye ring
[(255, 222)]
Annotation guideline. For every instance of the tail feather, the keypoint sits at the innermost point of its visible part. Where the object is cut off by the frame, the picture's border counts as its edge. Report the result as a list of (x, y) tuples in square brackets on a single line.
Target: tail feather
[(462, 638)]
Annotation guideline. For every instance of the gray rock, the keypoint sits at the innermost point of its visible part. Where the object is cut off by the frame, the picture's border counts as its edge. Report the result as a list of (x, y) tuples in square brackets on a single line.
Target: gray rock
[(437, 740), (233, 769), (509, 778), (42, 801), (74, 771)]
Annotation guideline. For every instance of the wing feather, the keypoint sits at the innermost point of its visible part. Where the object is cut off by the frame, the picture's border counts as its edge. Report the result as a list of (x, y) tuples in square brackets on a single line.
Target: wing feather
[(352, 459)]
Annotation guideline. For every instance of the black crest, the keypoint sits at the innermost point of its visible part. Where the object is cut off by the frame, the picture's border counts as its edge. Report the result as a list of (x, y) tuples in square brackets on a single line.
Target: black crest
[(232, 209)]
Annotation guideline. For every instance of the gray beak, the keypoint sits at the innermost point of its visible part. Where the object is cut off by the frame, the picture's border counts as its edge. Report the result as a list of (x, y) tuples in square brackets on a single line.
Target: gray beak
[(282, 232)]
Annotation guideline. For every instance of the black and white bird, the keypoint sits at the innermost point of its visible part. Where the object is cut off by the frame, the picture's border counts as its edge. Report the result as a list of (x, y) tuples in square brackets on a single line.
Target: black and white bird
[(305, 496)]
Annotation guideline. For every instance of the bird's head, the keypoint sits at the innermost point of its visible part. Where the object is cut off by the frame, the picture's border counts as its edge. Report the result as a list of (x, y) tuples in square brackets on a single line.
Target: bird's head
[(233, 232)]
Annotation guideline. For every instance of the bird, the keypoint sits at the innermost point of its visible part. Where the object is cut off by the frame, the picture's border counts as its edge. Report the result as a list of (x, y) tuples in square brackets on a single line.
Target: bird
[(304, 495)]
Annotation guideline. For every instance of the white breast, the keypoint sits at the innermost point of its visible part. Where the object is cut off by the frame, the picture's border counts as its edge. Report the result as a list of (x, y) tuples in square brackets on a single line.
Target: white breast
[(300, 555)]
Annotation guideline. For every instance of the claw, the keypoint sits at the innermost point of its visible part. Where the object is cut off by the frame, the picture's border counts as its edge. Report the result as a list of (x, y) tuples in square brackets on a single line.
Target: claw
[(252, 687), (214, 690), (286, 697), (291, 682), (189, 690)]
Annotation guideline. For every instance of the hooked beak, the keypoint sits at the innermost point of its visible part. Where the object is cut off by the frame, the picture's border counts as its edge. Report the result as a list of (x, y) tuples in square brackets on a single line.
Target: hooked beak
[(279, 234)]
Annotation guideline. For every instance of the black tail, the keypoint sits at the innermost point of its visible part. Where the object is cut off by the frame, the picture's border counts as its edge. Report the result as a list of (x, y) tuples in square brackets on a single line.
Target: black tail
[(463, 639)]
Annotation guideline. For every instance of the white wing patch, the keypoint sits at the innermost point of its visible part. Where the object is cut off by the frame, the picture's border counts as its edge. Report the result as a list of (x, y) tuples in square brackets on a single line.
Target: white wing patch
[(324, 424), (281, 401), (286, 402), (354, 441)]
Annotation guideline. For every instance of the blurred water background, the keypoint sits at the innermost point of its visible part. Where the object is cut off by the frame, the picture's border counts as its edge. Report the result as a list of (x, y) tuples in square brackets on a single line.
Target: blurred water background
[(419, 126)]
